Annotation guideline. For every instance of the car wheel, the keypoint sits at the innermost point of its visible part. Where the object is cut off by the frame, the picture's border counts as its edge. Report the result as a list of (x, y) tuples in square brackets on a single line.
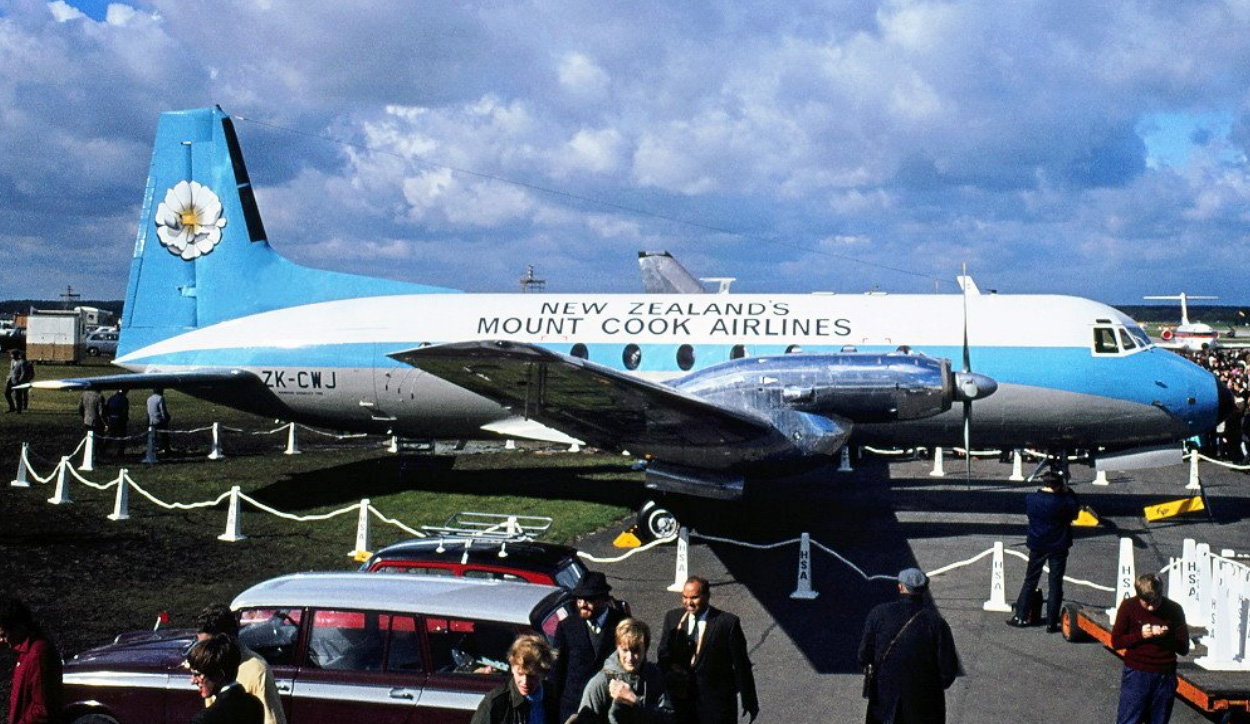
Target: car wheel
[(1070, 626), (94, 719), (657, 521), (93, 352)]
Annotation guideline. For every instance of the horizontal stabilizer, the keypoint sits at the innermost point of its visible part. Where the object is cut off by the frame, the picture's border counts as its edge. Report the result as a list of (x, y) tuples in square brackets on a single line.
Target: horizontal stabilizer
[(189, 379), (599, 405)]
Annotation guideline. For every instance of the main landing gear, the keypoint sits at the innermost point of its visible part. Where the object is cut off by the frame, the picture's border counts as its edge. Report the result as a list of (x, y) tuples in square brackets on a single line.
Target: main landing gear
[(657, 520)]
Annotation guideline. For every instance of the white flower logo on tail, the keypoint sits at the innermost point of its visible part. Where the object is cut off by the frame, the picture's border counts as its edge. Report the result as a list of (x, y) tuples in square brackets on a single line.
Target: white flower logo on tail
[(189, 220)]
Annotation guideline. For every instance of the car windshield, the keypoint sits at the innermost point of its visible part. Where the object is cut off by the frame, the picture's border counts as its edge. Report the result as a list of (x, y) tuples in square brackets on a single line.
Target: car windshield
[(570, 574)]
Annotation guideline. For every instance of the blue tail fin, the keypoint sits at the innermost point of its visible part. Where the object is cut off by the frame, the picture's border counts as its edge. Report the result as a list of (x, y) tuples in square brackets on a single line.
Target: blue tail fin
[(202, 256)]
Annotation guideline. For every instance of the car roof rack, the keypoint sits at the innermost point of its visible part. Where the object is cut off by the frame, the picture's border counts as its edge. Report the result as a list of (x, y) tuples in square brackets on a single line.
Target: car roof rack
[(490, 526)]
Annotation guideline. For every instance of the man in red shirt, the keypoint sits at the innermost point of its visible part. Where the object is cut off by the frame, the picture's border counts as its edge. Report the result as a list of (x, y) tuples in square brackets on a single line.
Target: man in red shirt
[(1151, 631), (36, 694)]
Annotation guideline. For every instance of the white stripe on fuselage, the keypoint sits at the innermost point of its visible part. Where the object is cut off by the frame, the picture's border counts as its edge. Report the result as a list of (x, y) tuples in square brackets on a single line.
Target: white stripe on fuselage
[(815, 320)]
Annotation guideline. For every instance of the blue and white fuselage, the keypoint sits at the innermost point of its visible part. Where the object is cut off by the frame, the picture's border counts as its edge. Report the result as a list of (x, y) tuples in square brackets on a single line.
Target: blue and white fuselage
[(705, 382)]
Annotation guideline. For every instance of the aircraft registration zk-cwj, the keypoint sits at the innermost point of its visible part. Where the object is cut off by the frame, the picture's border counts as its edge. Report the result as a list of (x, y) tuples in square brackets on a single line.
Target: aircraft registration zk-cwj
[(712, 389)]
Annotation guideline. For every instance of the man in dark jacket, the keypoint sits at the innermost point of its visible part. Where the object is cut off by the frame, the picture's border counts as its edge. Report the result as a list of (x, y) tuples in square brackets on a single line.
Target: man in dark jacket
[(1151, 630), (214, 664), (584, 643), (911, 649), (524, 699), (703, 654), (1051, 510)]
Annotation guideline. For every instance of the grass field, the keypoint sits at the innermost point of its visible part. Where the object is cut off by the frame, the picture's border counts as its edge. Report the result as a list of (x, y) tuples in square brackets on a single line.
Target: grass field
[(89, 578)]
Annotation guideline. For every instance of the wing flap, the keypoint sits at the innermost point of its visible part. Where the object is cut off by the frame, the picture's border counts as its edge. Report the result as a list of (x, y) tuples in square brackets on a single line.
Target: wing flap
[(182, 380)]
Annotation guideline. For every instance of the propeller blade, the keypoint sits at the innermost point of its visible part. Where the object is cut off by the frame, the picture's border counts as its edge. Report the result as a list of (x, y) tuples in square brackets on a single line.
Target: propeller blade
[(967, 440), (964, 289)]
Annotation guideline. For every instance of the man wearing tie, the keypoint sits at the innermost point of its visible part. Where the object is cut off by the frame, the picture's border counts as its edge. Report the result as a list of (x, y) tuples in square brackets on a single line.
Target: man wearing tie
[(703, 654), (584, 642)]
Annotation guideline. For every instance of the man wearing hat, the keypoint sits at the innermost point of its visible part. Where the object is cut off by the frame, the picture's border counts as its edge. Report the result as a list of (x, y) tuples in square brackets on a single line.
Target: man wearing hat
[(912, 653), (584, 643), (1051, 509)]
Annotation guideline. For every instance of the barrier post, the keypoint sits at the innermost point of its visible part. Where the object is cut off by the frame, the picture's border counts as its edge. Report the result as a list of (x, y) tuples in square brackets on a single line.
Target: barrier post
[(121, 505), (1125, 576), (575, 448), (803, 588), (1101, 478), (845, 467), (292, 444), (1206, 591), (61, 496), (362, 550), (234, 530), (215, 453), (937, 471), (1194, 482), (1189, 592), (394, 446), (88, 453), (20, 481), (998, 583), (1017, 466), (150, 458), (510, 445), (682, 570)]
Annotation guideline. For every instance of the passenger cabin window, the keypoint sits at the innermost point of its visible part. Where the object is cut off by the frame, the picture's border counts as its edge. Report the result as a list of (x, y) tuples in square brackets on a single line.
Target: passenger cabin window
[(1104, 341), (459, 646), (271, 632), (685, 357), (631, 357), (794, 349), (579, 350), (738, 352)]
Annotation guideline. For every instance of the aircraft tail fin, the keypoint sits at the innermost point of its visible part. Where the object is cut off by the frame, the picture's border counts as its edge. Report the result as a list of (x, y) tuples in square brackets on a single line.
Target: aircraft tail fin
[(202, 255), (662, 274)]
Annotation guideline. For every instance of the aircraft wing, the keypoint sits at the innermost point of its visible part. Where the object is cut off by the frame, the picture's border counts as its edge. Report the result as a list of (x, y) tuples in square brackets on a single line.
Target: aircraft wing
[(187, 379), (602, 406)]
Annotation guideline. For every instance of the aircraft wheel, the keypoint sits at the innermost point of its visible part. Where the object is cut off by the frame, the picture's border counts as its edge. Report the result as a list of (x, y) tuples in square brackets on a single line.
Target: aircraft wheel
[(1071, 628), (657, 521)]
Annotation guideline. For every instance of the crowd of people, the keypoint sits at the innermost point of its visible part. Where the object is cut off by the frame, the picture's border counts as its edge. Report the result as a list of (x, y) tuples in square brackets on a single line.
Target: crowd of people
[(1232, 368)]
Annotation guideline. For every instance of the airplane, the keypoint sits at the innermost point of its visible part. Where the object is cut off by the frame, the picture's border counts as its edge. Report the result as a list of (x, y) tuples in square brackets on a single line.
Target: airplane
[(1192, 336), (710, 390)]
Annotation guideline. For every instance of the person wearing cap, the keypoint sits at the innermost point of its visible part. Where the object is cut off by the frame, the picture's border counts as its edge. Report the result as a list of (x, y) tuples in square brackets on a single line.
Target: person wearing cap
[(1051, 510), (1152, 632), (584, 643), (913, 656), (703, 654)]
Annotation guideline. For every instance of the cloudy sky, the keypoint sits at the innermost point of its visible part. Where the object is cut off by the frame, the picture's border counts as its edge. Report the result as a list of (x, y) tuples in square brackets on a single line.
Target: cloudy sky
[(1091, 147)]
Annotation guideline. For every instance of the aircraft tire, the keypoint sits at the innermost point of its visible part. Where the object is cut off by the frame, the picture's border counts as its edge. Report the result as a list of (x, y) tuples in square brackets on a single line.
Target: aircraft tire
[(656, 521)]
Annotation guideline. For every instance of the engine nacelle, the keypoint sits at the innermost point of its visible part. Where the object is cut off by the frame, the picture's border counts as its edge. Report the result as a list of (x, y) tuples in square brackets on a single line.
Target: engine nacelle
[(860, 387)]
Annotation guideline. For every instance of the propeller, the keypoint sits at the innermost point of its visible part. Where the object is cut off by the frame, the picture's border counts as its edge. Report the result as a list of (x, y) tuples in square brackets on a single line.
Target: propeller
[(969, 385)]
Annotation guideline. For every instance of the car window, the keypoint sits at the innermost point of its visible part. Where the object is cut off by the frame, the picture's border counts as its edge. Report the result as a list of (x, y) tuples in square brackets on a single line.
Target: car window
[(570, 574), (271, 632), (492, 575), (404, 651), (554, 617), (346, 641), (470, 647), (418, 570)]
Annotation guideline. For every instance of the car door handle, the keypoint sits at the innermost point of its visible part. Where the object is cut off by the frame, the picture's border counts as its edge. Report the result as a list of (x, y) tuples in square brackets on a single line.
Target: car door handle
[(400, 693), (284, 687)]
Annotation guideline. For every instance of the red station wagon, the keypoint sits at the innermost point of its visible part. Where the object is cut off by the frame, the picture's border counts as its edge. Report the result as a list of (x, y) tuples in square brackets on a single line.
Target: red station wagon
[(343, 647), (545, 563)]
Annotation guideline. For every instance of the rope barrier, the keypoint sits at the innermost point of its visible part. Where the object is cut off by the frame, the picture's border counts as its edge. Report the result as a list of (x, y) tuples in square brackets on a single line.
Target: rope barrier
[(391, 521), (175, 506), (627, 554)]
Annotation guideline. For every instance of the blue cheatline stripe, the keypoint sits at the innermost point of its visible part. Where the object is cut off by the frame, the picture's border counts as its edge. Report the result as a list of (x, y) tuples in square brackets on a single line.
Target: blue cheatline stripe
[(1065, 369)]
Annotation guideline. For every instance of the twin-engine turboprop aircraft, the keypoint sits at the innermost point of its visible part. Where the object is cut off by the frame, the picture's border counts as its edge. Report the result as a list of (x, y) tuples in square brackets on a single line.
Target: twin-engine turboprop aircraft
[(712, 389)]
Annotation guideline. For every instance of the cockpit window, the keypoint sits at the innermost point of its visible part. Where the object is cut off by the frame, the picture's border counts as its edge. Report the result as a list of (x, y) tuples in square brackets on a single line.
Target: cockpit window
[(1139, 334), (1126, 340), (1104, 341)]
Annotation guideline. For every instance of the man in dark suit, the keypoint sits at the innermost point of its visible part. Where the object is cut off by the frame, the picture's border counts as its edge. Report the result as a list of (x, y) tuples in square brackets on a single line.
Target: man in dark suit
[(703, 654), (214, 664), (584, 642)]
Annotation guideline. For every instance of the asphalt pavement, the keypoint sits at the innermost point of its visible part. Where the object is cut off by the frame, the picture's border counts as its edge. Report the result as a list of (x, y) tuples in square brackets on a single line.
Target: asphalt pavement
[(887, 515)]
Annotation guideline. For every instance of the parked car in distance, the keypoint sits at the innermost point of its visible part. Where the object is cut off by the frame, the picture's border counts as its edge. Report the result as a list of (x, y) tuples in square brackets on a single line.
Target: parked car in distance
[(468, 557), (101, 342), (343, 647)]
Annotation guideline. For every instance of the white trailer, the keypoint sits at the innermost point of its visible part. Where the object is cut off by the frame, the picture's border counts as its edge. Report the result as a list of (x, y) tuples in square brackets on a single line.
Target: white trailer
[(54, 336)]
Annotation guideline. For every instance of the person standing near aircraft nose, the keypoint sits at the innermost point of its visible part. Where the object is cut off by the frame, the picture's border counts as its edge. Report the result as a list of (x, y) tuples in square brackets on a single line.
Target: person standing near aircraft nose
[(1051, 509), (703, 654)]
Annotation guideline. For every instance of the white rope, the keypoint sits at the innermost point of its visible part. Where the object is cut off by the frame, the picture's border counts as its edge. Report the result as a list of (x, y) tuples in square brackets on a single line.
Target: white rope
[(891, 451), (175, 506), (1221, 463), (979, 453), (960, 564), (299, 518), (627, 554), (38, 478), (391, 521), (852, 566), (334, 435), (84, 481), (189, 432), (1069, 579), (744, 544)]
